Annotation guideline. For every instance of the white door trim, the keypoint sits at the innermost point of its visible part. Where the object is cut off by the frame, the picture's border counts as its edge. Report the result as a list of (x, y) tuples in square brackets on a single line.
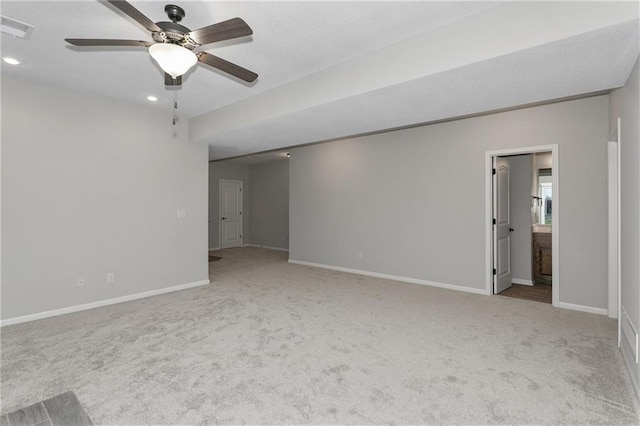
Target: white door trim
[(612, 182), (220, 182), (555, 222), (614, 303)]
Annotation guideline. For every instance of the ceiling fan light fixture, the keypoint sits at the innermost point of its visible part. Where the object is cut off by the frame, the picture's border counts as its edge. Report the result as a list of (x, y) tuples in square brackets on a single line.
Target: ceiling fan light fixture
[(175, 60)]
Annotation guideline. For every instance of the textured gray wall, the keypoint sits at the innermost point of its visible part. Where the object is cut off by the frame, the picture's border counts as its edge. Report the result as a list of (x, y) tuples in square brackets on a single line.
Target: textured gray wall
[(413, 201), (270, 204), (91, 186), (232, 170), (520, 199), (625, 104)]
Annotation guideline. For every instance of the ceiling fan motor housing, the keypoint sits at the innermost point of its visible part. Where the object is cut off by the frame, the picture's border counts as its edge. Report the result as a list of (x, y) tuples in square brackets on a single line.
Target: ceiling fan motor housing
[(174, 33)]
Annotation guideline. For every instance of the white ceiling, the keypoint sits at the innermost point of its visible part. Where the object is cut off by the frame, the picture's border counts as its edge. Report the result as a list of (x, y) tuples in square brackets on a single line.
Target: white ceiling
[(333, 69)]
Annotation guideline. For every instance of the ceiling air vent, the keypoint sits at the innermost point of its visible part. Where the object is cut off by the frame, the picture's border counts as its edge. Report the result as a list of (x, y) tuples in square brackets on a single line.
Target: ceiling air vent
[(15, 28)]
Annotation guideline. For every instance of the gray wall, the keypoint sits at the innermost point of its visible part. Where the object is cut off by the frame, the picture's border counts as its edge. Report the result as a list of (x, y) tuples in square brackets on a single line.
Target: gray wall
[(91, 186), (270, 204), (234, 171), (265, 201), (624, 104), (413, 201), (520, 198)]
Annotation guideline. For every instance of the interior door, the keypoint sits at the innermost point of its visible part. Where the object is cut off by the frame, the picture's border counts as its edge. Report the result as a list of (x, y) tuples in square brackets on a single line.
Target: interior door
[(502, 225), (230, 213)]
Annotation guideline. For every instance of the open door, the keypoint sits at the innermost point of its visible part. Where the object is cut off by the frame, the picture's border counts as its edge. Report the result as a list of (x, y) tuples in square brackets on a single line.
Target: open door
[(501, 225)]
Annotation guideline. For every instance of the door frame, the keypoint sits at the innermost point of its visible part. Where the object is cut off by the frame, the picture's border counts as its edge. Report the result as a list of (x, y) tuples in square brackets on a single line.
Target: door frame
[(220, 210), (555, 222), (613, 170)]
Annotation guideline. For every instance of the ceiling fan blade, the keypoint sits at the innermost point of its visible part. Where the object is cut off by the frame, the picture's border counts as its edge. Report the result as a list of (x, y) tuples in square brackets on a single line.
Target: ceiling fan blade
[(225, 30), (226, 66), (106, 42), (169, 81), (138, 16)]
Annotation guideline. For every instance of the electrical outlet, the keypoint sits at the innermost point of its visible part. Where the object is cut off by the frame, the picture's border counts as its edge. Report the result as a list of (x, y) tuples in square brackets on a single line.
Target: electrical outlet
[(360, 255), (182, 214), (80, 282), (111, 277)]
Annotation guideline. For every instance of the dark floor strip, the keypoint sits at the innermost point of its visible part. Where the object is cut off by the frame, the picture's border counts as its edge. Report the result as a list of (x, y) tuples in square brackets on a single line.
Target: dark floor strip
[(64, 409), (537, 292)]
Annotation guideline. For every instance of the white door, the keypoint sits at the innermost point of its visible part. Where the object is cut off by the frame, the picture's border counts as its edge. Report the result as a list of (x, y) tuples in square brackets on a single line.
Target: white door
[(230, 213), (502, 225)]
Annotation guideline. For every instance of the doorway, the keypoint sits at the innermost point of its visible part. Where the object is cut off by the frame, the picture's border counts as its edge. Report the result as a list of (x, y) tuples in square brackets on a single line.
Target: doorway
[(230, 213), (499, 229)]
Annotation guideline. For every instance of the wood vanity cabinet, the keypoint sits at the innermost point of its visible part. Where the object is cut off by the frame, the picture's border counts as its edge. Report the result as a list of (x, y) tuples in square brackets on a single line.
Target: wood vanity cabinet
[(541, 258)]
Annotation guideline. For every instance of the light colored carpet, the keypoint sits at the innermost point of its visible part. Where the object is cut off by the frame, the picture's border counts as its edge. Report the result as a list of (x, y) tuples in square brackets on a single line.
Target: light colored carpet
[(270, 342)]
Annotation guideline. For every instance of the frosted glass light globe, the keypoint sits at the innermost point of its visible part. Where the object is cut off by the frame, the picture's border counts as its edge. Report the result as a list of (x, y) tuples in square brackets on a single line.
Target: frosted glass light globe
[(173, 59)]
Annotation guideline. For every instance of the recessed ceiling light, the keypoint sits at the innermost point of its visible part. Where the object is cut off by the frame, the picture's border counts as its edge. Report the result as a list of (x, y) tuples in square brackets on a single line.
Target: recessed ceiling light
[(11, 61), (152, 98)]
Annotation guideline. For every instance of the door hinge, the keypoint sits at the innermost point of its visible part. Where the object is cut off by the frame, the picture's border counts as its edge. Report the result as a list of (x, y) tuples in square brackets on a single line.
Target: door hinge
[(494, 271), (494, 221), (493, 172)]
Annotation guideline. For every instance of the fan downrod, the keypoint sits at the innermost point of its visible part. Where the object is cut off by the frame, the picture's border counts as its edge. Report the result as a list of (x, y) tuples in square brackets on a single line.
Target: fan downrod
[(175, 13)]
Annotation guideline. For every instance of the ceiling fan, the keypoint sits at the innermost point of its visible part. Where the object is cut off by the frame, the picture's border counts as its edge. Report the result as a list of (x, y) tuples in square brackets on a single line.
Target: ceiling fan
[(175, 47)]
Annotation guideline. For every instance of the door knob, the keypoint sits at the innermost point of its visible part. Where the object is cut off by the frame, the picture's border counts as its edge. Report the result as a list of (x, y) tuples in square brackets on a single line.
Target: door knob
[(223, 218), (511, 229)]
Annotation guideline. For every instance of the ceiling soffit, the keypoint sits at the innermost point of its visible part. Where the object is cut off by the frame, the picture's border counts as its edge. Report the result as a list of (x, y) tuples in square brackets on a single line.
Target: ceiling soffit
[(497, 58)]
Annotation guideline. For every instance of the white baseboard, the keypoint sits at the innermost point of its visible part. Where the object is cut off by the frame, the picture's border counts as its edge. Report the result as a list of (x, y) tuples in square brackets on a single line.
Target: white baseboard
[(629, 335), (266, 247), (630, 365), (100, 303), (214, 248), (522, 282), (392, 277), (581, 308)]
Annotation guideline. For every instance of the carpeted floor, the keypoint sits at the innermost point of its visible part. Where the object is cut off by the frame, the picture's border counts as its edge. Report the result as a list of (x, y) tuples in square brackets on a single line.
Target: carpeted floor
[(270, 342)]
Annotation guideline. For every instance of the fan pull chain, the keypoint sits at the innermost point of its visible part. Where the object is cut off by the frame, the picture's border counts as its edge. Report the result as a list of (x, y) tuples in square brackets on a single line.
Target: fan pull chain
[(175, 104)]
